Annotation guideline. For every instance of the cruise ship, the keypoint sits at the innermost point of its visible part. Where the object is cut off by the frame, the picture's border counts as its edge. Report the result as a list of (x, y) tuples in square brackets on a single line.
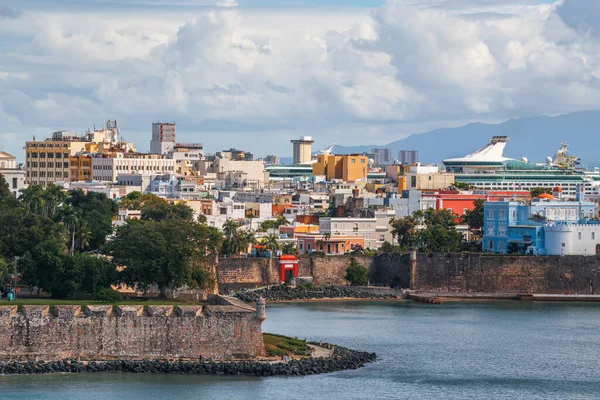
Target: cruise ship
[(487, 168)]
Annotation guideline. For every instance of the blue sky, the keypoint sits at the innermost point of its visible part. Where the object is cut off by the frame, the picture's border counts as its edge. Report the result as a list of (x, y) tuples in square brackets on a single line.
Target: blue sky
[(256, 73)]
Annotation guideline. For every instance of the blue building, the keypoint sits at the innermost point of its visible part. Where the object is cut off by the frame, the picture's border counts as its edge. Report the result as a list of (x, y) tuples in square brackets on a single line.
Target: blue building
[(513, 227)]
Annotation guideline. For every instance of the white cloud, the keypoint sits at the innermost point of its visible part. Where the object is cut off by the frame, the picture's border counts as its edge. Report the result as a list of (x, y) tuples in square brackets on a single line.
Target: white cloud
[(355, 76), (227, 3)]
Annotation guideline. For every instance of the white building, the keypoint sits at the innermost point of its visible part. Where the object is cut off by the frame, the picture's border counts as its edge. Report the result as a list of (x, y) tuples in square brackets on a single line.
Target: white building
[(375, 231), (572, 239), (236, 174), (124, 214), (163, 137), (13, 175), (107, 168)]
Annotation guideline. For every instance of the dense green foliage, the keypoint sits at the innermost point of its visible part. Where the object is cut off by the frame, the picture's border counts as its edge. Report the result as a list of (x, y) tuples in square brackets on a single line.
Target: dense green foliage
[(166, 253), (427, 231), (46, 228), (236, 240), (273, 223), (475, 218), (59, 238), (356, 273), (155, 208), (289, 248), (108, 296)]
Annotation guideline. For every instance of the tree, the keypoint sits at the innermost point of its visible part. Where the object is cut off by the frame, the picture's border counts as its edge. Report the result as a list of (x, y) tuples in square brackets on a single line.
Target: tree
[(168, 253), (230, 231), (95, 216), (536, 191), (475, 218), (430, 231), (289, 248), (79, 275), (356, 273), (462, 185), (270, 243)]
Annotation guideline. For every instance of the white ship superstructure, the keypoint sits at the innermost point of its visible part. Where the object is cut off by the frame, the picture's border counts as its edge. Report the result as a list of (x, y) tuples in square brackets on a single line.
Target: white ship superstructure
[(487, 168)]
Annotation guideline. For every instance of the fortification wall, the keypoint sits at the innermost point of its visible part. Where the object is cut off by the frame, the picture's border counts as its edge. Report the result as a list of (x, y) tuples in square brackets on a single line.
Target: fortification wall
[(225, 330), (507, 274), (236, 273), (470, 272)]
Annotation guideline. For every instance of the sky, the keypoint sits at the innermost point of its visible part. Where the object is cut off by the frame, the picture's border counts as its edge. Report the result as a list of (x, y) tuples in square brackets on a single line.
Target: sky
[(254, 74)]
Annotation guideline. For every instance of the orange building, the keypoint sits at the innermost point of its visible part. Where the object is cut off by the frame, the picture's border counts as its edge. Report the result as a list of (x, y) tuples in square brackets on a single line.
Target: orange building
[(295, 230), (330, 245), (81, 167), (349, 168)]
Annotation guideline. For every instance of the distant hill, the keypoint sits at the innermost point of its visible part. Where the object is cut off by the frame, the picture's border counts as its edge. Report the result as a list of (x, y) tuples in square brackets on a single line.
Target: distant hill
[(533, 137)]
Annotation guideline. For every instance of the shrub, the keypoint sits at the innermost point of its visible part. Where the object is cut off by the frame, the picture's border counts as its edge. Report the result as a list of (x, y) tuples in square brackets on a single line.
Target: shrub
[(356, 274), (109, 296)]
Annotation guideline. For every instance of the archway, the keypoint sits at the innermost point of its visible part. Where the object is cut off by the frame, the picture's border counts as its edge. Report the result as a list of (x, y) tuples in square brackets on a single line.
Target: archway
[(598, 249)]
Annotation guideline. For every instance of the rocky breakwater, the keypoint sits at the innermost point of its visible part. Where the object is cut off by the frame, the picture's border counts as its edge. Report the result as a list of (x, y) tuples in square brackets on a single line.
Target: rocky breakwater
[(340, 359), (285, 293)]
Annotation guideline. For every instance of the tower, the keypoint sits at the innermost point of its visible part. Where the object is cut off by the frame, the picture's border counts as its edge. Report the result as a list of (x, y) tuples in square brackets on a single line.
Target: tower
[(163, 137), (302, 150)]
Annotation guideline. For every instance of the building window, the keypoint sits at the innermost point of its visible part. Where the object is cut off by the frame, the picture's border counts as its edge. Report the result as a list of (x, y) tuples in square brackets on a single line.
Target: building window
[(579, 235), (593, 235), (353, 160), (15, 180)]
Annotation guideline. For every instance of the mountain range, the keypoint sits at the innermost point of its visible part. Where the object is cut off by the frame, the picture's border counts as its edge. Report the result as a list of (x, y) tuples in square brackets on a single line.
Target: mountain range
[(533, 137)]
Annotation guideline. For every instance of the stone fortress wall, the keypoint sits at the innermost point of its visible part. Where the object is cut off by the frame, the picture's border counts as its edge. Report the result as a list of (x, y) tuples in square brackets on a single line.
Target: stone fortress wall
[(453, 273), (225, 329)]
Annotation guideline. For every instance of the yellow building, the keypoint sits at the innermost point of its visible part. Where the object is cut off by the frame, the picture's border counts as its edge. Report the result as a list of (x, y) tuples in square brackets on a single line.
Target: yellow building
[(81, 167), (349, 168), (48, 161)]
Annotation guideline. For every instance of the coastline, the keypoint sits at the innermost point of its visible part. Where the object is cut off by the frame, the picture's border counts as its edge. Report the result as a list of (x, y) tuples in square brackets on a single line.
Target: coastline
[(340, 359)]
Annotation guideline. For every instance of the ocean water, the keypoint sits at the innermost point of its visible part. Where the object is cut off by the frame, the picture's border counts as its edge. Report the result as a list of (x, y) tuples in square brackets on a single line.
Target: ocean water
[(458, 350)]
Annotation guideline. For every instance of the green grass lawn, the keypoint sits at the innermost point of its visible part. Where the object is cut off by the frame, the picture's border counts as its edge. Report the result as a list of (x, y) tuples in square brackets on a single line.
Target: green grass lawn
[(279, 345), (54, 302)]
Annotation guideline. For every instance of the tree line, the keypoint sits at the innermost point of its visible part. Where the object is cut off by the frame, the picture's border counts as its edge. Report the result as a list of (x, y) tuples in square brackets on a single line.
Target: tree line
[(66, 246)]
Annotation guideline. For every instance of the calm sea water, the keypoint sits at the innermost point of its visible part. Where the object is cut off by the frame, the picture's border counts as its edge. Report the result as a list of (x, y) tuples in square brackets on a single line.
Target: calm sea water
[(462, 350)]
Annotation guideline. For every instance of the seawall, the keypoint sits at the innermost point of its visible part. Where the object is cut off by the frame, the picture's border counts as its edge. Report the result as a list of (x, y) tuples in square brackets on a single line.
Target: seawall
[(226, 329), (507, 274), (451, 273)]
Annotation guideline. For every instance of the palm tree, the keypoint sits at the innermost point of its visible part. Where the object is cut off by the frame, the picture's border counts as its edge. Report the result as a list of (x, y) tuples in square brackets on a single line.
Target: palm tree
[(281, 221), (84, 236), (230, 228), (270, 242), (68, 215), (289, 248)]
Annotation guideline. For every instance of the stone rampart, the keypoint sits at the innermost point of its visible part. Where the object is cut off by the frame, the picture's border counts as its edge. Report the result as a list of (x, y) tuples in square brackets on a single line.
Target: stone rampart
[(456, 272), (224, 330), (507, 273), (235, 273)]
